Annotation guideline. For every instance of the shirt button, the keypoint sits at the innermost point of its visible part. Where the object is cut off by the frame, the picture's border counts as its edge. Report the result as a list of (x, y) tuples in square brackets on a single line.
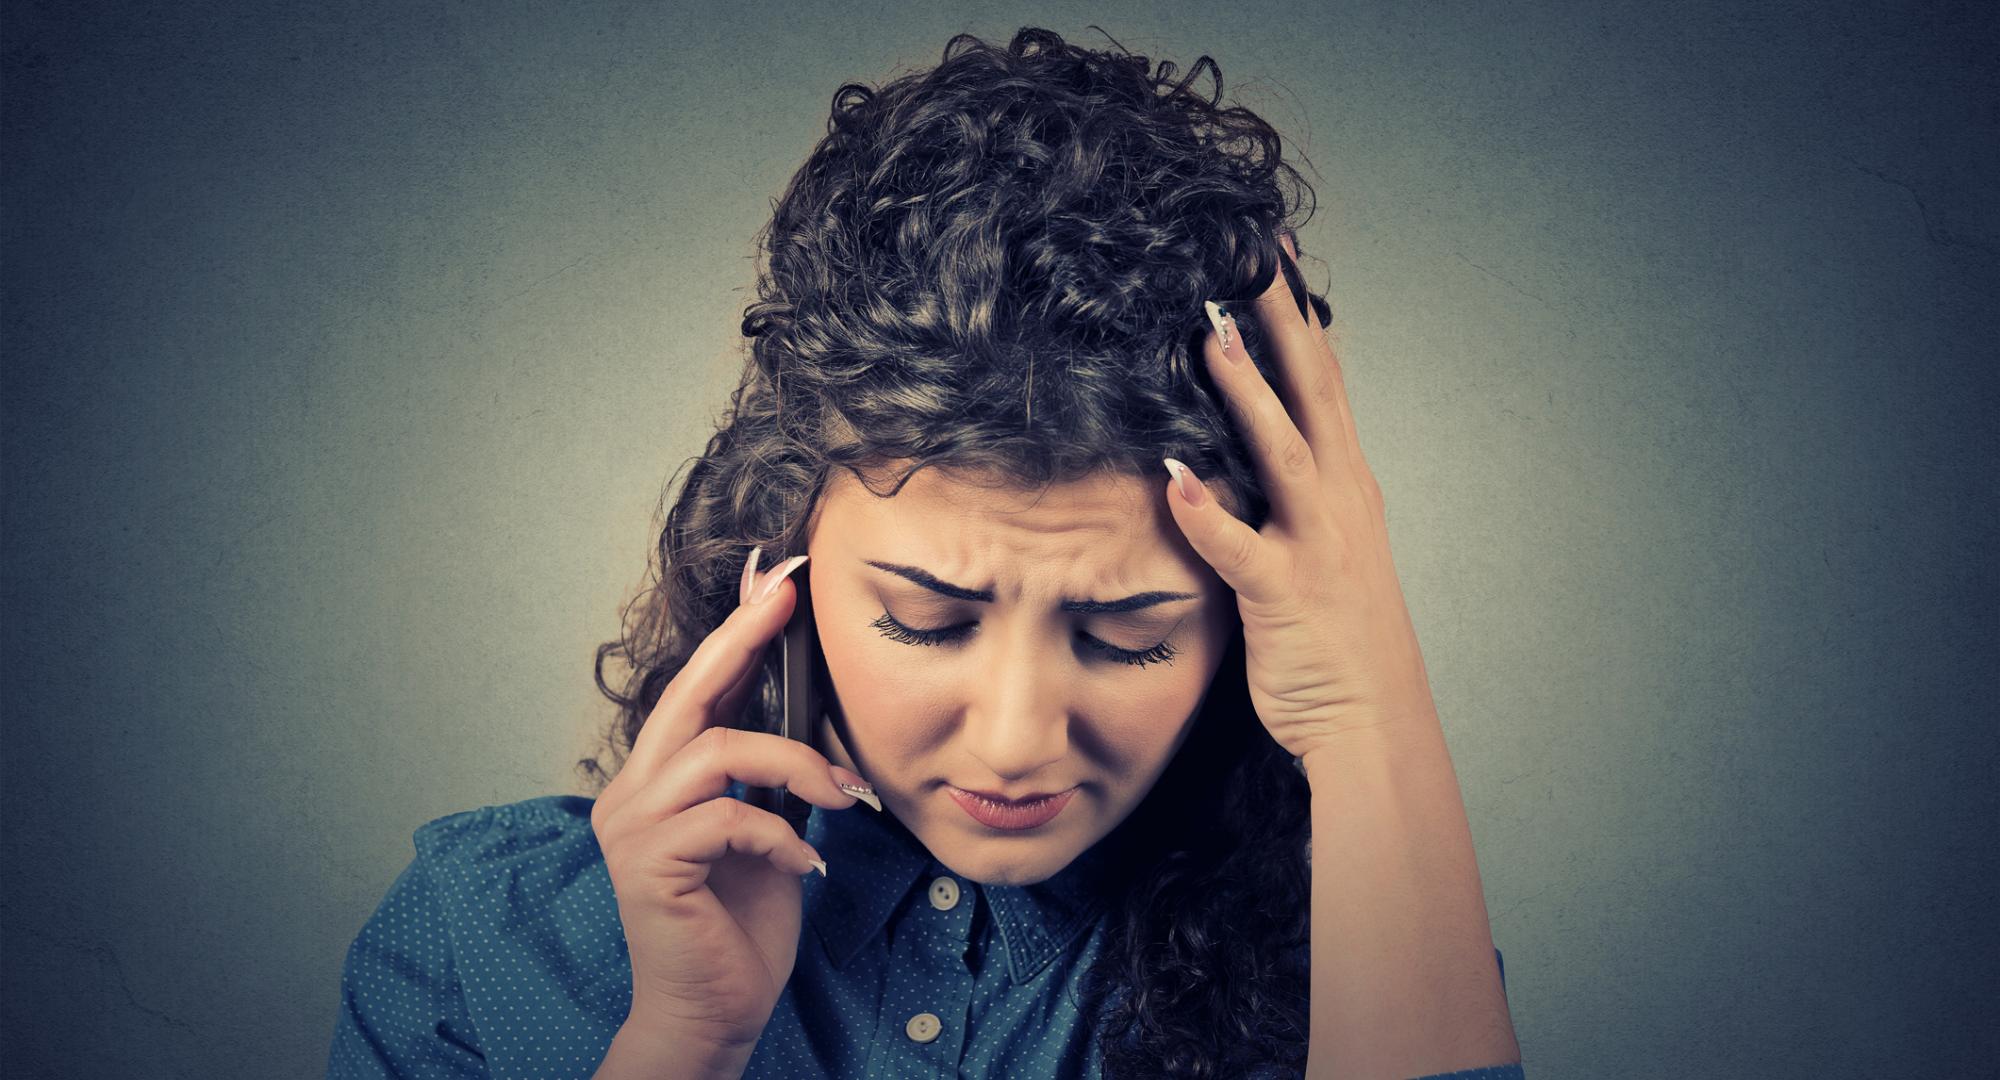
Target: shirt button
[(923, 1027), (944, 894)]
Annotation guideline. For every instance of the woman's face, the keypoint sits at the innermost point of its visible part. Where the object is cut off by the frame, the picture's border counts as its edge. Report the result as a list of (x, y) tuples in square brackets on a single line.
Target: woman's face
[(1022, 695)]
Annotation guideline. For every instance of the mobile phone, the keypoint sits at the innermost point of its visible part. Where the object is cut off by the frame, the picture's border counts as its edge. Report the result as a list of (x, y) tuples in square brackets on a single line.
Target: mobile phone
[(798, 675)]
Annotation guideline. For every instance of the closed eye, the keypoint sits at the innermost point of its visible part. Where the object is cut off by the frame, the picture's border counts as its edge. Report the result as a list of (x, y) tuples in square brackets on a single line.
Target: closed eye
[(911, 635)]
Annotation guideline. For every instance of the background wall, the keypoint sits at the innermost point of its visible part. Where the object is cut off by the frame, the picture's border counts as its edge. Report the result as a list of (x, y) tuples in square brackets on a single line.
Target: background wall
[(348, 348)]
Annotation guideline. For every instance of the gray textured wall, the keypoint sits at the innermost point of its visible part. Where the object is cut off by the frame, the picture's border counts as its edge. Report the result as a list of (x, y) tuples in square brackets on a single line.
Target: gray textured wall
[(348, 348)]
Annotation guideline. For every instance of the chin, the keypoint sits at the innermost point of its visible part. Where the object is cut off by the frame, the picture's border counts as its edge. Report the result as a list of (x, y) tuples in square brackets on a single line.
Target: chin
[(1002, 860), (1002, 871)]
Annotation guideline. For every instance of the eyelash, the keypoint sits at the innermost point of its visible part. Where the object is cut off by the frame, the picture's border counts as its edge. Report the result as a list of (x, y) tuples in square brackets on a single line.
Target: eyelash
[(910, 635)]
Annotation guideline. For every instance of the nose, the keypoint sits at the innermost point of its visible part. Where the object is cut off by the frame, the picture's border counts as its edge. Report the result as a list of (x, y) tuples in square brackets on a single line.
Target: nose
[(1017, 718)]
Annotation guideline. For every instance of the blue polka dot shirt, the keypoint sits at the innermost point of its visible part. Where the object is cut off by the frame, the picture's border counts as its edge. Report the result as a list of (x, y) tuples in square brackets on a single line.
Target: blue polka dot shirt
[(498, 952)]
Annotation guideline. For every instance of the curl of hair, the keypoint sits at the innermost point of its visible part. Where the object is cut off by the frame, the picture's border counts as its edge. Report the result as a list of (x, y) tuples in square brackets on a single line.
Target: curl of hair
[(996, 267)]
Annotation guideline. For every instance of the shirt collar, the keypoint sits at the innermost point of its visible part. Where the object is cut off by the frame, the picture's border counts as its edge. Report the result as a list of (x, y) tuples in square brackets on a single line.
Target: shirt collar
[(873, 862)]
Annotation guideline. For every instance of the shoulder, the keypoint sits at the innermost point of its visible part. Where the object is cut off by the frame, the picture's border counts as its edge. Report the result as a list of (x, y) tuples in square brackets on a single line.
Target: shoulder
[(526, 899), (531, 867), (506, 911), (506, 832)]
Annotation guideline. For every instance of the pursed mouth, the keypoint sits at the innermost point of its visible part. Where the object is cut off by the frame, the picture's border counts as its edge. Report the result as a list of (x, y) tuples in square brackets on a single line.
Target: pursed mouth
[(1035, 800), (1012, 817)]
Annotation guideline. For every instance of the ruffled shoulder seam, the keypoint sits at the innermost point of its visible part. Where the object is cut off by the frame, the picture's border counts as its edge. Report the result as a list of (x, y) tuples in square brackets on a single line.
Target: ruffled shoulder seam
[(461, 836)]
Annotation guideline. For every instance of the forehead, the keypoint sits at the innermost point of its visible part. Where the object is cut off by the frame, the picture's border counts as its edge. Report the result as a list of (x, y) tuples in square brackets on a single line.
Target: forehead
[(959, 515), (1102, 500)]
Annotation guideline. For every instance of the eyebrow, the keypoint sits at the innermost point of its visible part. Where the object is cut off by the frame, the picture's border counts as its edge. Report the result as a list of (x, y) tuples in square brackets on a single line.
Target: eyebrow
[(985, 596)]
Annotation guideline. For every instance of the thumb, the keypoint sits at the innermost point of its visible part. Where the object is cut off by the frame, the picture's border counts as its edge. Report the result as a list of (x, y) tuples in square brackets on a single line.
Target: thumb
[(1232, 548)]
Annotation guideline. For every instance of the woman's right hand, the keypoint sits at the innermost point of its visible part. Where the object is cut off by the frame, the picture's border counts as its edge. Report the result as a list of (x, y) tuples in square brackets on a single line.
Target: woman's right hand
[(708, 885)]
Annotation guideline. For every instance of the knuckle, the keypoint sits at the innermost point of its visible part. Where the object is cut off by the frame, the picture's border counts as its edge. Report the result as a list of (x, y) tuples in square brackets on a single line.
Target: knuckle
[(808, 754), (709, 749), (802, 760), (1295, 457), (658, 877), (730, 814), (1240, 547), (716, 741), (1324, 521), (1326, 388), (740, 820), (1371, 490)]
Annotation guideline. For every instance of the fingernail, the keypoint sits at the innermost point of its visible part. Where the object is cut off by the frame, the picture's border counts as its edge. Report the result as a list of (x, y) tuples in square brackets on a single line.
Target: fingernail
[(770, 585), (855, 786), (749, 575), (813, 857), (1225, 329), (1190, 484)]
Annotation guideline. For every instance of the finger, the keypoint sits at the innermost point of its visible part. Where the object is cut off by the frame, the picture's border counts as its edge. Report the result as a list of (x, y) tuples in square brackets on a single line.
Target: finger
[(683, 850), (690, 702), (719, 757), (1237, 553), (729, 708), (1335, 370), (1306, 373), (1284, 460)]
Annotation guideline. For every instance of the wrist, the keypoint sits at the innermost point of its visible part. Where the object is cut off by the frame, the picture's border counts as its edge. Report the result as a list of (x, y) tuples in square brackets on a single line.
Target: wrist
[(1370, 747)]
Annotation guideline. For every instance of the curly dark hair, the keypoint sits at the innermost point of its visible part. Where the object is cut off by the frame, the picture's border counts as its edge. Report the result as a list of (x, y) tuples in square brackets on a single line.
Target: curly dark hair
[(997, 266)]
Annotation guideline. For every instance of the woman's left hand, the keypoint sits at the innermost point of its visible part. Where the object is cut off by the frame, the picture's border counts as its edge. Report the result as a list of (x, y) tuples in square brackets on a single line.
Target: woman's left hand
[(1330, 651)]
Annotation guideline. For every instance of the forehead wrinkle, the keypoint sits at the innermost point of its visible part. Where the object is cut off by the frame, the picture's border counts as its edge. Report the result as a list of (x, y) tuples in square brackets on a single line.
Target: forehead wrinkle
[(967, 534), (1028, 558)]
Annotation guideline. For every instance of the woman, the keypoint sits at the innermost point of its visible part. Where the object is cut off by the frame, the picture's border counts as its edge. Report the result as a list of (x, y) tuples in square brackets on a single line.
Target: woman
[(985, 337)]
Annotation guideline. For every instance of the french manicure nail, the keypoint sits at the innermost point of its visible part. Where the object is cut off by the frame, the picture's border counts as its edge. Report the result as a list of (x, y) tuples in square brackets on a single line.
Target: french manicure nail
[(813, 857), (770, 584), (1225, 329), (856, 786), (863, 795), (749, 575), (1190, 484)]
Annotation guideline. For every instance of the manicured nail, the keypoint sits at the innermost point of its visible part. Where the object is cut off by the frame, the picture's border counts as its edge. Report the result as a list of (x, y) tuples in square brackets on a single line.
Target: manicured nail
[(749, 575), (813, 857), (856, 786), (770, 585), (1225, 329), (1190, 484)]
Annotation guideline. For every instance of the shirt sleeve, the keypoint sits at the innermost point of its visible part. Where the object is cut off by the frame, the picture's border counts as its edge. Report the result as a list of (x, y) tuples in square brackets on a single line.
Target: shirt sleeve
[(1490, 1072), (402, 1012), (1510, 1071)]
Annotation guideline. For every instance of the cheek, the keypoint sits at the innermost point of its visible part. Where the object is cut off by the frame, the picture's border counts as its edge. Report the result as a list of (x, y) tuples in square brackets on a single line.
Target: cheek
[(1151, 715), (881, 701), (1141, 725), (868, 678)]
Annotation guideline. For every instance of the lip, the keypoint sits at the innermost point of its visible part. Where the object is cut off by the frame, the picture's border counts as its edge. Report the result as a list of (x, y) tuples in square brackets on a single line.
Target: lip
[(1011, 800), (1010, 816)]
